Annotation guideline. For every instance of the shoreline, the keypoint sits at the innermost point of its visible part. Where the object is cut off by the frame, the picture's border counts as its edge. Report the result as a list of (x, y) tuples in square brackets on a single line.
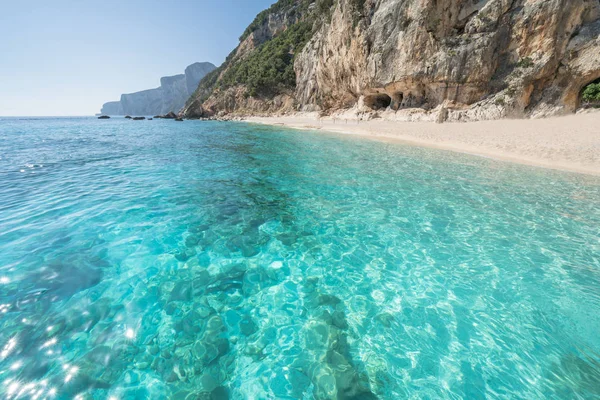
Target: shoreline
[(569, 143)]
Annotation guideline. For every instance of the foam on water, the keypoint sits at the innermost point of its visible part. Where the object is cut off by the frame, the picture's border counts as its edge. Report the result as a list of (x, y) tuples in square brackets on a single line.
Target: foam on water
[(221, 260)]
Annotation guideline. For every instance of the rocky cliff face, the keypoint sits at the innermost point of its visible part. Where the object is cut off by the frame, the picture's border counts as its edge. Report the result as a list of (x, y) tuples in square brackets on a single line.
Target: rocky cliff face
[(194, 74), (111, 108), (142, 103), (174, 93), (430, 59), (170, 96)]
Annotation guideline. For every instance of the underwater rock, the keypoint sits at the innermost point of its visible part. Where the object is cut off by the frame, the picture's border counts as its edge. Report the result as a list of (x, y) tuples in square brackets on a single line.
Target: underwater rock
[(255, 280), (184, 254), (245, 244), (191, 323), (137, 393), (204, 260), (171, 308), (385, 319), (192, 240), (182, 291), (199, 228), (144, 361), (287, 238), (201, 280), (100, 355), (80, 383), (247, 326), (58, 281), (339, 320), (208, 240), (227, 283)]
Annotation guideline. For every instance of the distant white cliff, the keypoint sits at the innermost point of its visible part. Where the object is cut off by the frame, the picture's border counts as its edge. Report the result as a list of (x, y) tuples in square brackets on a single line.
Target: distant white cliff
[(170, 96)]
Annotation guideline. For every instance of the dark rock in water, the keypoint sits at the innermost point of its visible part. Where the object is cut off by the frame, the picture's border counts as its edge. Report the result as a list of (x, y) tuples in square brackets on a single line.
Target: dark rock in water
[(171, 308), (199, 228), (247, 326), (182, 291), (138, 118), (127, 117), (184, 254), (149, 119), (192, 241), (287, 239), (169, 115), (104, 117), (58, 281), (80, 383), (178, 119), (328, 300), (219, 393), (339, 320)]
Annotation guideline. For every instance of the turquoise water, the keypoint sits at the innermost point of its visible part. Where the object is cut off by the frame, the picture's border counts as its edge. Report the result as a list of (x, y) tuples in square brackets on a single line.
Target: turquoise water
[(206, 260)]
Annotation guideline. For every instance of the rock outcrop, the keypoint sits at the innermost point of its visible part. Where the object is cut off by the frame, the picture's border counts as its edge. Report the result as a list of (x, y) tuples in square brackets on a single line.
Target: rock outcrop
[(421, 59), (170, 96)]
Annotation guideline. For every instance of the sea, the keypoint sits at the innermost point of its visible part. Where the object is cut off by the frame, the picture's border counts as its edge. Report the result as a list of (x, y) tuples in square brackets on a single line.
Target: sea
[(227, 260)]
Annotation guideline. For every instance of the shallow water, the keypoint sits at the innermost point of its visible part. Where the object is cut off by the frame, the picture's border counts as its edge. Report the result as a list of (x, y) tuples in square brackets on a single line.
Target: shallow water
[(205, 260)]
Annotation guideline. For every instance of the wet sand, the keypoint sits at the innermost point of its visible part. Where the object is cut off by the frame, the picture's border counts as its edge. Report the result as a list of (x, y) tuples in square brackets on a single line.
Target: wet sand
[(570, 143)]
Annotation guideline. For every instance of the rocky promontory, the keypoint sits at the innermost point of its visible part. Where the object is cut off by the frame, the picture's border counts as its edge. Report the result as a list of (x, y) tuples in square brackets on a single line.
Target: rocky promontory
[(455, 60)]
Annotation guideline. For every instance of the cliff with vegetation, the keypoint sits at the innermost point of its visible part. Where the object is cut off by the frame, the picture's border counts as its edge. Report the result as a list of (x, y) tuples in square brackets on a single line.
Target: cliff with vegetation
[(410, 60)]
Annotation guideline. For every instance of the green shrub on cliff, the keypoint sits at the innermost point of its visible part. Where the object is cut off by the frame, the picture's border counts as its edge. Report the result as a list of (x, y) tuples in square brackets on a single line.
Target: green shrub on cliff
[(591, 93), (280, 6), (270, 68)]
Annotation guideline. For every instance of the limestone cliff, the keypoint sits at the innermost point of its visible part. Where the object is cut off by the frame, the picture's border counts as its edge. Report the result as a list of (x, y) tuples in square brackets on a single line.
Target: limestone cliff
[(420, 59), (111, 108), (170, 96)]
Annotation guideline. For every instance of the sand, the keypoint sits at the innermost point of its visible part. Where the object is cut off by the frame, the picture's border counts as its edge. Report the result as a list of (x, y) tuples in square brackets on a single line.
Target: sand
[(570, 143)]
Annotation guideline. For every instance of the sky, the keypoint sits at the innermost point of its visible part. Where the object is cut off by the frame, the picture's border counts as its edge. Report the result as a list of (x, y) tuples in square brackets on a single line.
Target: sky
[(68, 57)]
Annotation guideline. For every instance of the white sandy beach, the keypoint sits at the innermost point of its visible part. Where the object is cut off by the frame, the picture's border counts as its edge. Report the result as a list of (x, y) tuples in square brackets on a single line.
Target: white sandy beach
[(570, 143)]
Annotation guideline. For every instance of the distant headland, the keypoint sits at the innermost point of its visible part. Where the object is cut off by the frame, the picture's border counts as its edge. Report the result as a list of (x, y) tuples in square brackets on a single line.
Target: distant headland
[(170, 96)]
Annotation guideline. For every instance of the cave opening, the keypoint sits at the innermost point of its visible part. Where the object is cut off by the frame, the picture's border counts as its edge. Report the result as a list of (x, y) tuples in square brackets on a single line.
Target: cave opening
[(378, 101), (397, 99)]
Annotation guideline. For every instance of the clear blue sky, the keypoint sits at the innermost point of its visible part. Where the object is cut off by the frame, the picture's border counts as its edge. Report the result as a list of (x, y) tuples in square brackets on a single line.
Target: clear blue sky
[(68, 57)]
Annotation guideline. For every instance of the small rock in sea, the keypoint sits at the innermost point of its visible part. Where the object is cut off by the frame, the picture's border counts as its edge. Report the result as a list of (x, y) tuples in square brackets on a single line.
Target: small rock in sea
[(149, 119), (158, 116), (138, 118), (104, 117), (178, 119), (127, 117), (170, 115)]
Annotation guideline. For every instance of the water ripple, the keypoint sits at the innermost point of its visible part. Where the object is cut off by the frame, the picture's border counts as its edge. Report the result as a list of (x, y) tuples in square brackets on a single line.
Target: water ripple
[(221, 260)]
